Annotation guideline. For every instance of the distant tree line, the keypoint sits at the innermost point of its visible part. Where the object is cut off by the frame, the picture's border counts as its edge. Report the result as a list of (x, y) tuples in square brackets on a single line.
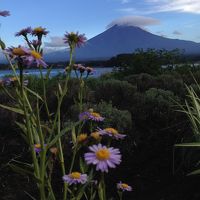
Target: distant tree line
[(152, 61)]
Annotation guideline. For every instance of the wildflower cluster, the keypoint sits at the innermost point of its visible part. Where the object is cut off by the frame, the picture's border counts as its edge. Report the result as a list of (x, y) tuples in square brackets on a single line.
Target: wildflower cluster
[(39, 32), (79, 68), (100, 155)]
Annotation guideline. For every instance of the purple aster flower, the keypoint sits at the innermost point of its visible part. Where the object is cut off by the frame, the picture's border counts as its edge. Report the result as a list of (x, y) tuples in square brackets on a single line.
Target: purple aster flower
[(35, 57), (76, 66), (94, 116), (89, 70), (24, 32), (111, 132), (28, 56), (38, 147), (81, 69), (6, 81), (83, 116), (74, 39), (103, 157), (4, 13), (124, 187), (75, 178), (39, 31), (15, 52)]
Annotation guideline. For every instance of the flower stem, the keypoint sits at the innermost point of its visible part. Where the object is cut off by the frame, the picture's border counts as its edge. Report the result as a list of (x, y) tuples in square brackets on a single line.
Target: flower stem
[(120, 195), (102, 188)]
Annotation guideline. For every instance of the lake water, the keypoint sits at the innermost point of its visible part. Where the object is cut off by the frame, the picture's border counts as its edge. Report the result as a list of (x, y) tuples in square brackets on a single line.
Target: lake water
[(97, 72)]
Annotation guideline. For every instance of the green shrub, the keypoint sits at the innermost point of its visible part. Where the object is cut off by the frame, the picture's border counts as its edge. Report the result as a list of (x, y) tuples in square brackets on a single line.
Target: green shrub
[(118, 92), (153, 113), (165, 81), (171, 83)]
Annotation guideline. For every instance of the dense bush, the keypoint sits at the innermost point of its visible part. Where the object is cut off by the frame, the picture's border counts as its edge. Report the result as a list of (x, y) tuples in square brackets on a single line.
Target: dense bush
[(164, 81), (154, 112), (118, 92)]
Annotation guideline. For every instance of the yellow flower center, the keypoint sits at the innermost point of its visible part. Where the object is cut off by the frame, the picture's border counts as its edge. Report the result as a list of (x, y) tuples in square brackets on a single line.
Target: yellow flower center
[(95, 135), (13, 79), (124, 185), (82, 137), (103, 154), (38, 146), (38, 29), (111, 130), (18, 52), (36, 55), (95, 114), (75, 175)]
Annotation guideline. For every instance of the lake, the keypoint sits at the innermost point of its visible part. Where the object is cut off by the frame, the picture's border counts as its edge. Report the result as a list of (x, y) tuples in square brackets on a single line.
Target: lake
[(54, 72)]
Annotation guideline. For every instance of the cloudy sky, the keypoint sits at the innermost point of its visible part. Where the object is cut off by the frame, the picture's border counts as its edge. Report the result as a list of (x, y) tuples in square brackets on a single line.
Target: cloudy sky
[(169, 18)]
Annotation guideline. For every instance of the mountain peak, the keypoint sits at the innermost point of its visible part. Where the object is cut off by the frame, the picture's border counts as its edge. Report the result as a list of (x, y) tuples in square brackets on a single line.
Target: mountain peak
[(118, 26), (125, 38)]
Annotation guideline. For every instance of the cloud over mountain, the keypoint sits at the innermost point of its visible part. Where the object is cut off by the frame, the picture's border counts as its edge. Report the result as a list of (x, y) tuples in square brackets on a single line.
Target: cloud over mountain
[(177, 32), (139, 21), (56, 41)]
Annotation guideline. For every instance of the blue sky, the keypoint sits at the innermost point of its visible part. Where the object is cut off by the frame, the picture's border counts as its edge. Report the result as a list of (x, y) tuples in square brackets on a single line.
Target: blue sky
[(170, 18)]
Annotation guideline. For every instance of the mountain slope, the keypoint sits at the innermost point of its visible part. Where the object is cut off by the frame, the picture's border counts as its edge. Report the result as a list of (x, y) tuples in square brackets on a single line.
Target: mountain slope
[(122, 39)]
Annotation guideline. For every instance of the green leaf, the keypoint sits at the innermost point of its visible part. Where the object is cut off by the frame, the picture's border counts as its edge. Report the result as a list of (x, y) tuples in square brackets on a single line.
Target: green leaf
[(73, 136), (2, 45), (62, 132), (20, 170), (34, 93), (48, 73), (60, 89), (100, 192), (37, 179), (46, 128), (16, 110), (21, 126), (83, 166), (195, 144), (196, 172), (33, 198), (24, 131)]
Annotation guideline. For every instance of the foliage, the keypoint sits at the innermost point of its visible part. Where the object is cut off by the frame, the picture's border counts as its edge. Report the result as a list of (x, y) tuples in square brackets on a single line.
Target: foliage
[(118, 92), (150, 61)]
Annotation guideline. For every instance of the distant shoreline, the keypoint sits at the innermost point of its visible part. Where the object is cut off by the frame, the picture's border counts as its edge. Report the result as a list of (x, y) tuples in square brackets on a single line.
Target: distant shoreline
[(54, 72)]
